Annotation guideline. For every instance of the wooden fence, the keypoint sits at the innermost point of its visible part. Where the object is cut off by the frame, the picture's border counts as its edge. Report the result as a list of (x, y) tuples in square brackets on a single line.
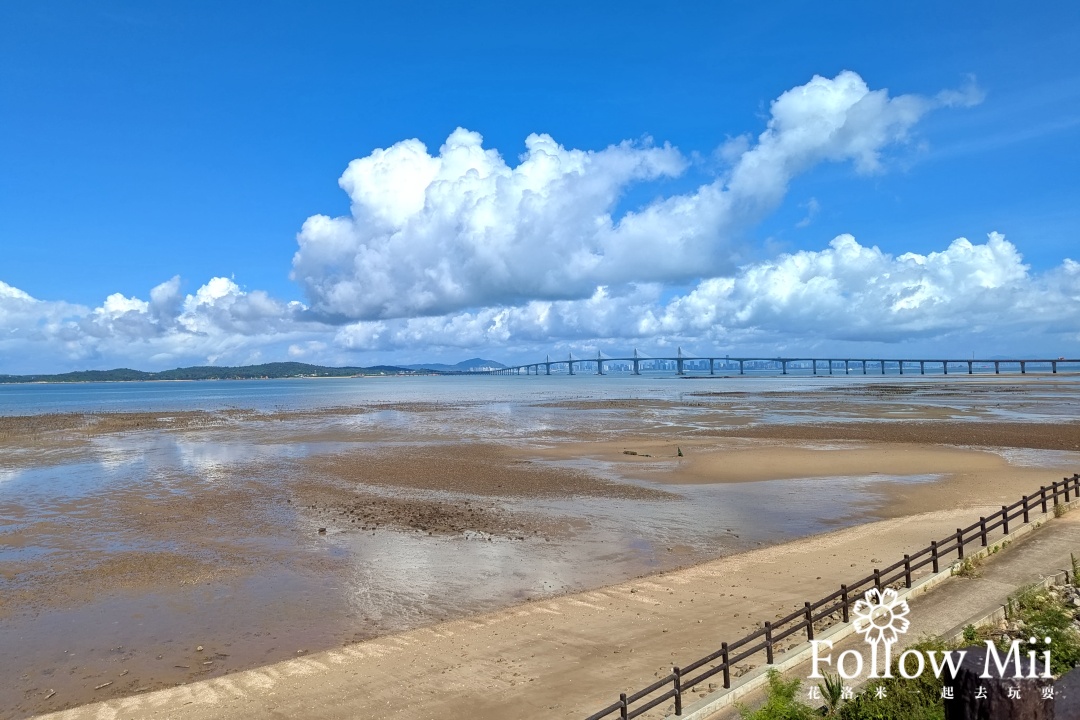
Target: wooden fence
[(672, 686)]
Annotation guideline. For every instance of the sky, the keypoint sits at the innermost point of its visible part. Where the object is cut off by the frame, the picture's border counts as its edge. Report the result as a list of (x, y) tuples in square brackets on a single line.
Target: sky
[(394, 182)]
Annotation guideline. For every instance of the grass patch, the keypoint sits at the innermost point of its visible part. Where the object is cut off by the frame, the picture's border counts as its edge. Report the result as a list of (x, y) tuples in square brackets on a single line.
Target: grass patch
[(781, 703), (967, 568), (1043, 613)]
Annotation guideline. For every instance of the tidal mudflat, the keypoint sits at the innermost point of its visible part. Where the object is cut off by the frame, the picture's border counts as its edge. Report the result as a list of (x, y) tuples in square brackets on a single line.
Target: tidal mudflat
[(160, 542)]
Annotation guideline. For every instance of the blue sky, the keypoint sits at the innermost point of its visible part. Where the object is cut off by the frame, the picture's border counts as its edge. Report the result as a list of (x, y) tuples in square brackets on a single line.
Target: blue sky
[(141, 142)]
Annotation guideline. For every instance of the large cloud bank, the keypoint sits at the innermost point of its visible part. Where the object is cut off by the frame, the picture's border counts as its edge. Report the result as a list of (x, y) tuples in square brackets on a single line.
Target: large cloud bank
[(429, 235), (461, 252), (846, 292)]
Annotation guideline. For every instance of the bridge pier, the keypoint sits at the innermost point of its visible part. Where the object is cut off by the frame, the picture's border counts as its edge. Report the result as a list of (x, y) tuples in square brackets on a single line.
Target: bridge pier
[(971, 368), (1023, 368), (679, 364), (863, 367), (901, 366), (922, 367), (847, 370), (882, 367), (1053, 365), (741, 372), (712, 371), (997, 367), (945, 366), (830, 367), (783, 365), (815, 367)]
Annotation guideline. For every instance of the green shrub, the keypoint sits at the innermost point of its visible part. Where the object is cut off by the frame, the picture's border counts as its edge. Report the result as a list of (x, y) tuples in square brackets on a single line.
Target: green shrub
[(917, 699), (1043, 614), (781, 703)]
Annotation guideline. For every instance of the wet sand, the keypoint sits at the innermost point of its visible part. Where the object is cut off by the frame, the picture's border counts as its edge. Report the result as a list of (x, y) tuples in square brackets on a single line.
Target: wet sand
[(261, 536), (558, 658)]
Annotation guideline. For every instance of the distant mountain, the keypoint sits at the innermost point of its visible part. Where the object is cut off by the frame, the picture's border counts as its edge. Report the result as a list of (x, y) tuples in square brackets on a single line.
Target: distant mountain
[(463, 366), (246, 372)]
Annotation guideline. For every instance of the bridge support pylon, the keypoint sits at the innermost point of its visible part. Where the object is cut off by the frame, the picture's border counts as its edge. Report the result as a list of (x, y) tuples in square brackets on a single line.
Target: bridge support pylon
[(637, 368), (679, 363), (971, 369)]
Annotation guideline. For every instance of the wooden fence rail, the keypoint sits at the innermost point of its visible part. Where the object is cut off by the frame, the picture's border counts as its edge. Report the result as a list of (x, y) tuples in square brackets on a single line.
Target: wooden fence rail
[(764, 639)]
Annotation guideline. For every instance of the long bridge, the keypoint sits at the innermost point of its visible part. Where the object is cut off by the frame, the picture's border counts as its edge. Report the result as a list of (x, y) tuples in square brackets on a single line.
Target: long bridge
[(686, 364)]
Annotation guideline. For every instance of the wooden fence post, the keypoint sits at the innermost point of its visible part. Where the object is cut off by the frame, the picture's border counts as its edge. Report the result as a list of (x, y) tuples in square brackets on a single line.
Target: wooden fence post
[(1065, 482), (1042, 495), (809, 613), (877, 579), (768, 642), (727, 666), (982, 530), (960, 543), (934, 555), (844, 599), (678, 690), (622, 706), (1005, 519), (1026, 520), (907, 570)]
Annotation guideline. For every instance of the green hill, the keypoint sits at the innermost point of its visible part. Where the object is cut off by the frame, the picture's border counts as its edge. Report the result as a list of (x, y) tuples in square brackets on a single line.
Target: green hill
[(209, 372)]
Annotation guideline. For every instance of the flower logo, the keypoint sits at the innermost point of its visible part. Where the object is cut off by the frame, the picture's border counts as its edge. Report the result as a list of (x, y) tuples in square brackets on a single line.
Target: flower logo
[(881, 616)]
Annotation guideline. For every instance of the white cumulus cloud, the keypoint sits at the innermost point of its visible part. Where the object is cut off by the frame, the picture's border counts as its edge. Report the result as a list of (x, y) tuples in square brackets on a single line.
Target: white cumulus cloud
[(432, 234), (846, 292)]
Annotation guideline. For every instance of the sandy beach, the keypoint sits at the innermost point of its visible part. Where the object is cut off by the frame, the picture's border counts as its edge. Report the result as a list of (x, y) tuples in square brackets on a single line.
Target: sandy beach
[(454, 533)]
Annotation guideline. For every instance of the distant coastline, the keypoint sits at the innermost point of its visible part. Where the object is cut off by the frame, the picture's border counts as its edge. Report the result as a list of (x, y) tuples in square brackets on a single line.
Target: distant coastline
[(266, 371)]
